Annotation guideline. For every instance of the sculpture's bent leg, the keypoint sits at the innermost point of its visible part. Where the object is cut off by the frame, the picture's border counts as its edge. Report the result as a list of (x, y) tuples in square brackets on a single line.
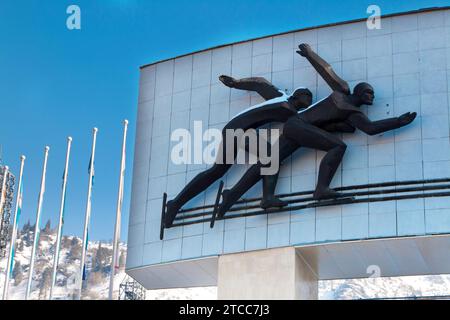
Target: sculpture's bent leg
[(310, 136), (327, 170), (252, 176), (229, 197), (269, 199), (297, 133)]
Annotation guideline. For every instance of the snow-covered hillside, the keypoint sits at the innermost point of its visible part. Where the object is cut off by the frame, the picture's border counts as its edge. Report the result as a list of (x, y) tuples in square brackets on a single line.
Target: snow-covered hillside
[(68, 270), (99, 259)]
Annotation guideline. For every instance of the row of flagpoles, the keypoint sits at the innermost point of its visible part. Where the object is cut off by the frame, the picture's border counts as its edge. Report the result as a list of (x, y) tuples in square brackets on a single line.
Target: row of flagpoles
[(18, 209)]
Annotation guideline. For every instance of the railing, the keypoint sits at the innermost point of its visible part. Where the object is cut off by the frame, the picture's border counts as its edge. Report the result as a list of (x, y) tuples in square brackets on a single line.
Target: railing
[(366, 193), (130, 289)]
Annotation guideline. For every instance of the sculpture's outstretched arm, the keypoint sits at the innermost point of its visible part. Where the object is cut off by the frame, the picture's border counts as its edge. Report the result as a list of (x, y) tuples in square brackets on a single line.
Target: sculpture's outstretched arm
[(257, 84), (360, 121), (324, 69)]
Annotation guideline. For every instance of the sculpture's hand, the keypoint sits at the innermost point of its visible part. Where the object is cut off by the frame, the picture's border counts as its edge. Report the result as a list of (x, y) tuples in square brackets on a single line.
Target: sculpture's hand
[(407, 118), (305, 50), (228, 81)]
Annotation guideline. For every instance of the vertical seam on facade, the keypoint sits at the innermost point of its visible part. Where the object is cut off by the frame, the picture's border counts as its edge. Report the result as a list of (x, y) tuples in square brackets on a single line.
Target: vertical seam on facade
[(205, 225), (394, 133), (148, 171), (421, 124), (186, 165)]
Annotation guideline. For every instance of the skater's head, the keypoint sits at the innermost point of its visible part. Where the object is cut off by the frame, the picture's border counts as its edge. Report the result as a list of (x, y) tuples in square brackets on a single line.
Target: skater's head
[(301, 98), (364, 93)]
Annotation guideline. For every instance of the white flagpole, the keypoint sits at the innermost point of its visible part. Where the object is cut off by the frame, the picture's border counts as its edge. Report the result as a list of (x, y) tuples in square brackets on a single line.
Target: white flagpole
[(3, 194), (37, 226), (115, 257), (88, 215), (14, 231), (61, 218)]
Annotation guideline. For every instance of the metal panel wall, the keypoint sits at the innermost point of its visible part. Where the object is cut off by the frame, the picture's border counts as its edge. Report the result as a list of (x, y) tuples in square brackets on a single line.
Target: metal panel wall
[(407, 61)]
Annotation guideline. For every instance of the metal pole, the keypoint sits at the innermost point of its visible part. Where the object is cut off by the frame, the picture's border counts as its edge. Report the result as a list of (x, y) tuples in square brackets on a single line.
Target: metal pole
[(14, 231), (37, 227), (61, 218), (3, 194), (88, 214), (114, 262)]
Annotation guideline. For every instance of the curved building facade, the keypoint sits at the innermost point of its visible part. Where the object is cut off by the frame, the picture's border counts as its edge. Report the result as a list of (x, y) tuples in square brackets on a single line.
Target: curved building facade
[(407, 61)]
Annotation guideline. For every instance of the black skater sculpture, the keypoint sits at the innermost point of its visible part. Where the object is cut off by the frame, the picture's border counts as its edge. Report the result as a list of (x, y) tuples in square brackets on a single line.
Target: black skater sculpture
[(310, 128), (278, 107)]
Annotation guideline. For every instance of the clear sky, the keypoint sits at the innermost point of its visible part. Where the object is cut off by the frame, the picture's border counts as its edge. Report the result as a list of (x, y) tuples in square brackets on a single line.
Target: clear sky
[(55, 82)]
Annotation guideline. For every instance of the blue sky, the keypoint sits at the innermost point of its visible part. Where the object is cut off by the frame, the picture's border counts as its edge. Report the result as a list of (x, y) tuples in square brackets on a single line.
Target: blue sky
[(55, 82)]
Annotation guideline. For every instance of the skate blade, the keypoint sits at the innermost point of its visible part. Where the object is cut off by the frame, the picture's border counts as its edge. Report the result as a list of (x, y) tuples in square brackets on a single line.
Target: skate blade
[(333, 201)]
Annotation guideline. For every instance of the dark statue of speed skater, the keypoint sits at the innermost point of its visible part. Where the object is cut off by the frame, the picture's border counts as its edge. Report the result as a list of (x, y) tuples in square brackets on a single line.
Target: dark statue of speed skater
[(310, 128), (278, 107)]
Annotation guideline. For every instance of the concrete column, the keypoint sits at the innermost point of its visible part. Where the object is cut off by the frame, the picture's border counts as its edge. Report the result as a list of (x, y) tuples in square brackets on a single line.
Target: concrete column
[(273, 274)]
